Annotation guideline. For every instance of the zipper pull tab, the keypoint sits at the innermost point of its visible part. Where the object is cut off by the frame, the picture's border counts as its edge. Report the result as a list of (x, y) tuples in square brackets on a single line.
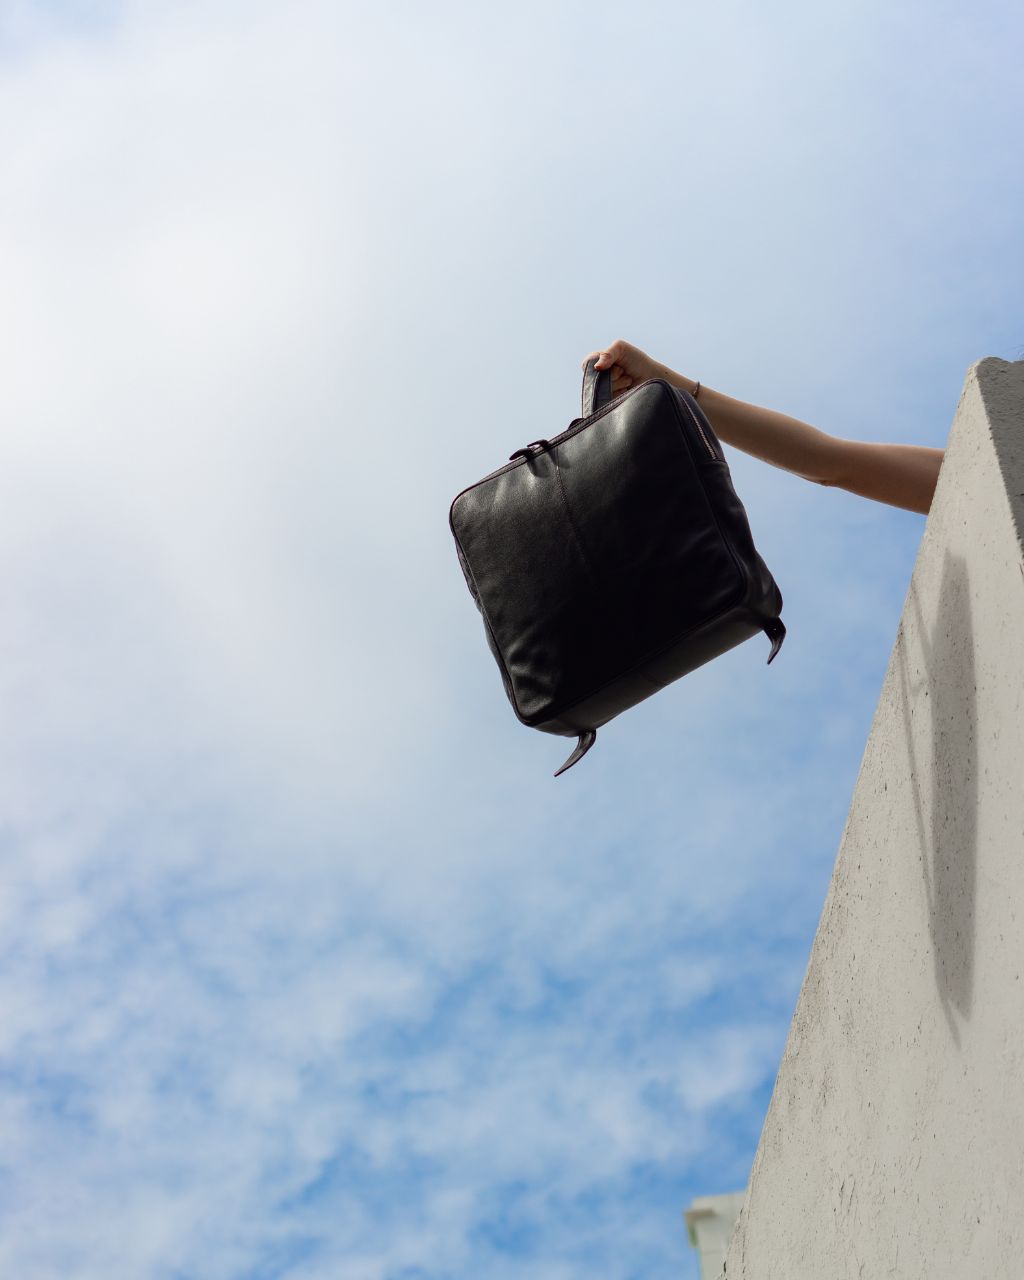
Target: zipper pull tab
[(528, 450)]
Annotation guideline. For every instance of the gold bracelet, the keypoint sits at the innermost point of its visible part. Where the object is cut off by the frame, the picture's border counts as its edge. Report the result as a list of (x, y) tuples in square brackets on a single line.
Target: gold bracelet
[(696, 390)]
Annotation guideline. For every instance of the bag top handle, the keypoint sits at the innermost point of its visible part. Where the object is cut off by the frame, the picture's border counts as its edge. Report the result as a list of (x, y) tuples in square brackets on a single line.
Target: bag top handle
[(597, 388)]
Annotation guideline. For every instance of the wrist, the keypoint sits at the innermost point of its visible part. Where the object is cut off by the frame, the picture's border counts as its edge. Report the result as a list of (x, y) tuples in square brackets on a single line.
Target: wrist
[(677, 379)]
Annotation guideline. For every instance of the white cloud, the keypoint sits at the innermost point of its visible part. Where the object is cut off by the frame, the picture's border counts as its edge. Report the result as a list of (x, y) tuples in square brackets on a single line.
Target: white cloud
[(309, 967)]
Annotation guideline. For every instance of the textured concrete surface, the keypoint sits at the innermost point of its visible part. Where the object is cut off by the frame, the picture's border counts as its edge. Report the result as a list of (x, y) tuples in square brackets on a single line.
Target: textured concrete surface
[(710, 1222), (894, 1142)]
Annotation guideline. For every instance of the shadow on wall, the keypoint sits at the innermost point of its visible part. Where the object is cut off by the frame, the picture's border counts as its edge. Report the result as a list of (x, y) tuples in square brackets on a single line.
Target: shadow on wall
[(943, 688)]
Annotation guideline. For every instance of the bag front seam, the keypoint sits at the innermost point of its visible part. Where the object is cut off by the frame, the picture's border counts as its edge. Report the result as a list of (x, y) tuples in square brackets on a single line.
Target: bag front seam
[(598, 585)]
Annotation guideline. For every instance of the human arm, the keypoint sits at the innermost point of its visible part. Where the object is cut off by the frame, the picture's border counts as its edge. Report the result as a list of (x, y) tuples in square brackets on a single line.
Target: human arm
[(898, 474)]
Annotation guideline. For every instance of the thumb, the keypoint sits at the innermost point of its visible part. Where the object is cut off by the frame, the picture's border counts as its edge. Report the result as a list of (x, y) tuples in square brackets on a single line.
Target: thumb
[(612, 354)]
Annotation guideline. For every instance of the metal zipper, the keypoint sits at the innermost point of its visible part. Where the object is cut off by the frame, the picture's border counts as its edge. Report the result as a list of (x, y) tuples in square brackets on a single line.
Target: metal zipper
[(700, 432)]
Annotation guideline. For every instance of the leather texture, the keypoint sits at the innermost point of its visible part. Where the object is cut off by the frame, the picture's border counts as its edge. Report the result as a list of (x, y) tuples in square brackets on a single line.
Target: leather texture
[(612, 559)]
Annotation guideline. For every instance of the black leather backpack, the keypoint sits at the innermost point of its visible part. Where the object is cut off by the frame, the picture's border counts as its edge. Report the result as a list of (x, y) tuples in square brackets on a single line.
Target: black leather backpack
[(612, 559)]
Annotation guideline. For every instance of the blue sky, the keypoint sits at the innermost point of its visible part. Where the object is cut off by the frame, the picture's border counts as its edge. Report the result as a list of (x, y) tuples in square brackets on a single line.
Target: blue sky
[(309, 966)]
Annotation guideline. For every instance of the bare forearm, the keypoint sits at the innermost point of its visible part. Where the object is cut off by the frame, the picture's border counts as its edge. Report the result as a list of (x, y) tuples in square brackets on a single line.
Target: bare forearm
[(774, 437), (901, 475)]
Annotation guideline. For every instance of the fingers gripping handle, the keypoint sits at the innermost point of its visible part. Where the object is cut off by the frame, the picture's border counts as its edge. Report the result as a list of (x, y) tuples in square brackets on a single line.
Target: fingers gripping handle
[(597, 388)]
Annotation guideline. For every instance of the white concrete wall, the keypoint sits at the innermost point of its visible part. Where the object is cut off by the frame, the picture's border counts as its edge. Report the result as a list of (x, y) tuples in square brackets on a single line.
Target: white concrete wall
[(710, 1222), (894, 1142)]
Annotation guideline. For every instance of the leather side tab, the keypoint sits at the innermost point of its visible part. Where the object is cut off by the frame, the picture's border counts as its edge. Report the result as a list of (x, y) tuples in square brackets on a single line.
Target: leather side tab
[(776, 633), (587, 739)]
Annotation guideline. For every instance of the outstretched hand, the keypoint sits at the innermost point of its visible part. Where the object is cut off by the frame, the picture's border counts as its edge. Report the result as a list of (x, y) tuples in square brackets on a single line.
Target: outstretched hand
[(628, 364)]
